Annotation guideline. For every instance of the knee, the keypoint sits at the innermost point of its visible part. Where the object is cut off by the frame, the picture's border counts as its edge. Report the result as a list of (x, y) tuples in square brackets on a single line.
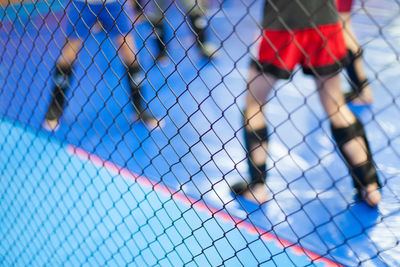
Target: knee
[(258, 88), (342, 117)]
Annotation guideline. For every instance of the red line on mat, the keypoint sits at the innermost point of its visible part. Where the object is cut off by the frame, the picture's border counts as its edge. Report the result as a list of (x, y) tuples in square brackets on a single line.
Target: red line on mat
[(195, 203)]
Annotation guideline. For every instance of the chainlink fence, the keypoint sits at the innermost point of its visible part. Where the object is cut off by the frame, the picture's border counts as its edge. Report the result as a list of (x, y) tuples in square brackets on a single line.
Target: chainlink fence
[(136, 163)]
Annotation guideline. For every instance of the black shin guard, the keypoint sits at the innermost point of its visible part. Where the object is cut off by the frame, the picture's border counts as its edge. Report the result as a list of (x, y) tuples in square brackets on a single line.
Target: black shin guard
[(199, 25), (139, 9), (364, 174), (62, 77), (253, 140), (135, 78), (160, 38), (356, 83)]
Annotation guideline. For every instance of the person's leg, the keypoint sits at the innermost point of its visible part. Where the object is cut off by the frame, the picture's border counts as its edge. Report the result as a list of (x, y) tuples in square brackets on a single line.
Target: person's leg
[(350, 137), (139, 9), (136, 78), (159, 31), (361, 91), (62, 77), (118, 24), (196, 13), (157, 22), (80, 20), (256, 137)]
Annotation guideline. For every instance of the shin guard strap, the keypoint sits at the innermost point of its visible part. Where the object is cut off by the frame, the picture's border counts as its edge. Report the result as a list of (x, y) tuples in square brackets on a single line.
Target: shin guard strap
[(344, 135), (364, 175)]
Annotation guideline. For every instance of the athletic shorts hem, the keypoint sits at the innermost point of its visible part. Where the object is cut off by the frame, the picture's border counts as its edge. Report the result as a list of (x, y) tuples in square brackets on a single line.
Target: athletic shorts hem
[(271, 69), (280, 73), (329, 69)]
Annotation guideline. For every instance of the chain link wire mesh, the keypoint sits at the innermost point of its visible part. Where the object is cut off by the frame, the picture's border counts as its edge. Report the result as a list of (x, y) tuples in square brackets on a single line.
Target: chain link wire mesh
[(126, 127)]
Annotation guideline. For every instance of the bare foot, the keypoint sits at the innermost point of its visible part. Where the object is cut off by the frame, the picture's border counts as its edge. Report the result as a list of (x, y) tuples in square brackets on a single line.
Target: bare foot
[(150, 121), (163, 60), (154, 124), (51, 125), (257, 194), (371, 195)]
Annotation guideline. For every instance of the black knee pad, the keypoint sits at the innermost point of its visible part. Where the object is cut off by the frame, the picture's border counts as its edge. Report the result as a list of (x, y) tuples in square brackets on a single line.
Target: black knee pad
[(365, 173)]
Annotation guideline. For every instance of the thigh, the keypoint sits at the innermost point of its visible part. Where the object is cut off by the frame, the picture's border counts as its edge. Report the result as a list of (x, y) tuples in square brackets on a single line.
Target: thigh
[(259, 86)]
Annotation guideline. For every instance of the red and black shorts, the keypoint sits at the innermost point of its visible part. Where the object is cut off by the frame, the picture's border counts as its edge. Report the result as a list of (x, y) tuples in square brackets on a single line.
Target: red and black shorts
[(344, 5), (320, 51)]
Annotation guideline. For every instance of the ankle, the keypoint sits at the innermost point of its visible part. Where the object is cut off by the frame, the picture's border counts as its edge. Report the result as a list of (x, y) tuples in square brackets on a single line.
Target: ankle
[(257, 193)]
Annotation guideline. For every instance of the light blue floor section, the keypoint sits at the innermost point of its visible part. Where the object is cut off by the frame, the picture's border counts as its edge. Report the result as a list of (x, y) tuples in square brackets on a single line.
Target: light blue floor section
[(59, 210)]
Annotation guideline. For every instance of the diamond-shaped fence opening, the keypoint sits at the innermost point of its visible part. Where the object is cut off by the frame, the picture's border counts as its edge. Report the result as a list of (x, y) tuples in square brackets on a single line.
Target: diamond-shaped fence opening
[(199, 133)]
